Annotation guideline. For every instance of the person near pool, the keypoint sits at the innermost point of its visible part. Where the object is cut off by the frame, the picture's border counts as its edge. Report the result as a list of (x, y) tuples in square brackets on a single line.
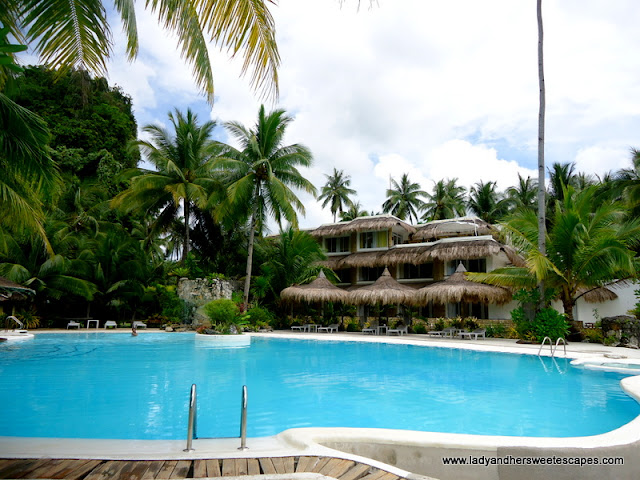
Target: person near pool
[(134, 331)]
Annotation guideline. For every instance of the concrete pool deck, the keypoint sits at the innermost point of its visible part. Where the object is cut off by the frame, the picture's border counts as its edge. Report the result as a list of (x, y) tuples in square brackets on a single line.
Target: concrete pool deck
[(404, 453)]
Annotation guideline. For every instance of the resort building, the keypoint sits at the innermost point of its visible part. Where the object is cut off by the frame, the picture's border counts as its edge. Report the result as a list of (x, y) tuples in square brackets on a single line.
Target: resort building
[(417, 256)]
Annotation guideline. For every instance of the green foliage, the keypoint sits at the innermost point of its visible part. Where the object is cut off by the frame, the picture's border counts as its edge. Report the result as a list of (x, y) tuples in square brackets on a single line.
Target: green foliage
[(260, 316), (420, 328), (594, 335), (225, 316), (635, 311), (547, 323), (353, 327), (496, 331), (439, 324)]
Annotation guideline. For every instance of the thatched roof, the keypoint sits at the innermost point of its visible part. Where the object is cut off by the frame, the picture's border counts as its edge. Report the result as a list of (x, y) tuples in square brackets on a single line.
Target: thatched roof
[(361, 224), (13, 291), (333, 262), (599, 295), (386, 291), (319, 290), (471, 247), (457, 288), (452, 227)]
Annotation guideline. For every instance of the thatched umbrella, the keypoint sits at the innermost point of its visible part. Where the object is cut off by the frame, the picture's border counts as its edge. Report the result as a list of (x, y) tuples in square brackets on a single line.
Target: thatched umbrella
[(457, 288), (320, 290), (385, 291), (598, 295), (13, 291)]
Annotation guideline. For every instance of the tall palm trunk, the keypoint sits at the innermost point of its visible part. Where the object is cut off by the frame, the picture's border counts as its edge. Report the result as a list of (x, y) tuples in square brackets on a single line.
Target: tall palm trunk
[(252, 233), (185, 247), (542, 227)]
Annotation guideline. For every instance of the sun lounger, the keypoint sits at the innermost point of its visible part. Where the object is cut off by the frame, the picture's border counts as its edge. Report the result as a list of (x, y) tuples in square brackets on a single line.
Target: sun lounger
[(300, 328), (371, 330), (478, 332), (138, 324), (398, 331), (329, 329), (447, 332), (110, 323), (73, 323)]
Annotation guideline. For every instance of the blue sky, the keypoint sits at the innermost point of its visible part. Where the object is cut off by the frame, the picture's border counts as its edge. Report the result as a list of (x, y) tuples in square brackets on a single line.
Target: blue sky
[(433, 89)]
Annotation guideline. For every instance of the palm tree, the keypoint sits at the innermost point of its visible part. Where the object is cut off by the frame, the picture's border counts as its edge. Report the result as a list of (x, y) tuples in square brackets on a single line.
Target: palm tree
[(78, 35), (486, 202), (588, 246), (446, 201), (336, 192), (625, 183), (561, 175), (524, 194), (260, 175), (355, 210), (403, 199), (542, 205), (183, 177)]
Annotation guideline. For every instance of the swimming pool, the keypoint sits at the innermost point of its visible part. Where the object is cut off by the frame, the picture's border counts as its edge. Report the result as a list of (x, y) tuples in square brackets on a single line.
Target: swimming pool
[(94, 385)]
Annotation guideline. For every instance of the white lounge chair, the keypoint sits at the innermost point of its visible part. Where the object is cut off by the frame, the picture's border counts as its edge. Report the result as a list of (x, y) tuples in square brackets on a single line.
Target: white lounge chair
[(329, 329), (478, 332), (300, 328), (398, 331), (447, 332), (138, 324), (372, 330), (110, 323), (73, 323)]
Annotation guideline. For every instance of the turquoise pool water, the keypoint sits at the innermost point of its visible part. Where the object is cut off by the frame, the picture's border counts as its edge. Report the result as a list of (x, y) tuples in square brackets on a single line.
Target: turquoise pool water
[(95, 385)]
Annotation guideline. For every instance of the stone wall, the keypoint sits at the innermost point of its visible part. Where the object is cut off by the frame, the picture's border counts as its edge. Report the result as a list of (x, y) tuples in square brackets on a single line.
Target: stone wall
[(201, 291), (621, 331)]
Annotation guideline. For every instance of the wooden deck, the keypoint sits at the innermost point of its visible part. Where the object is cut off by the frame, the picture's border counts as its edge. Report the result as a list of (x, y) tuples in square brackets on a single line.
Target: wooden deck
[(72, 469)]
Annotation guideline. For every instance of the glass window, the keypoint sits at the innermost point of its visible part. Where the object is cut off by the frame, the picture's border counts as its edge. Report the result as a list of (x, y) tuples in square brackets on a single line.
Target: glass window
[(396, 239), (373, 239), (344, 274), (369, 274), (471, 265), (424, 270), (337, 244)]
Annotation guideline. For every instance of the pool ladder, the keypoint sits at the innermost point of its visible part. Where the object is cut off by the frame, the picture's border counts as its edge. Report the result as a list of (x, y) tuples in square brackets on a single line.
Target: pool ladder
[(553, 348), (193, 419)]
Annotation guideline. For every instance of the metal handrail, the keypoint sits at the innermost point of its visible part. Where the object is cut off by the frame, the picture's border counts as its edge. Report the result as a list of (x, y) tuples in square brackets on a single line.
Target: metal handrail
[(564, 344), (550, 345), (192, 424), (20, 324), (243, 420)]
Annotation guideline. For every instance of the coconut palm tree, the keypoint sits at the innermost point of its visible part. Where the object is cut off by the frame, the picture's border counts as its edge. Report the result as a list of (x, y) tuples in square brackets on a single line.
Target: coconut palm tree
[(589, 245), (524, 194), (486, 202), (561, 175), (184, 176), (446, 201), (260, 175), (77, 34), (403, 199), (336, 192), (355, 210)]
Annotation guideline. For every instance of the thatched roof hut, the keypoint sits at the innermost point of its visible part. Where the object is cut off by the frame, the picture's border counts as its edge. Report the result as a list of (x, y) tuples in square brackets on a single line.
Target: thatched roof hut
[(457, 288), (13, 291), (319, 290), (385, 291), (452, 227), (598, 295), (361, 224)]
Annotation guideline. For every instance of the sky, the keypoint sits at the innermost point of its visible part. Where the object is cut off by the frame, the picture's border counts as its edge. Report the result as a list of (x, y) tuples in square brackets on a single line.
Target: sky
[(438, 90)]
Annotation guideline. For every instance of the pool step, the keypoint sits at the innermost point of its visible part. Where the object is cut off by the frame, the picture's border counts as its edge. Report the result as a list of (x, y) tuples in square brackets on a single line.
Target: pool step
[(75, 469)]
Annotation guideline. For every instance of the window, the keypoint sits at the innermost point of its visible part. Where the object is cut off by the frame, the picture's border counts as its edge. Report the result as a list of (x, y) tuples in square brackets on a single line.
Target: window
[(409, 271), (337, 244), (344, 274), (471, 265), (369, 274), (396, 239), (373, 239)]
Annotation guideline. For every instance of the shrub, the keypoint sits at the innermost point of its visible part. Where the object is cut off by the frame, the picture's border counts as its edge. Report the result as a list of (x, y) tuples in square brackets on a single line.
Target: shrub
[(259, 316), (440, 324), (594, 335), (353, 327), (420, 328), (547, 323), (496, 331), (471, 323), (224, 314)]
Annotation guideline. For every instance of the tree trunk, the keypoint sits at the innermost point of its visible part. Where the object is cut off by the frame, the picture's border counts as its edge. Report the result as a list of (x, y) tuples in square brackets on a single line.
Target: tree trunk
[(542, 227), (247, 278), (567, 304), (185, 248)]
